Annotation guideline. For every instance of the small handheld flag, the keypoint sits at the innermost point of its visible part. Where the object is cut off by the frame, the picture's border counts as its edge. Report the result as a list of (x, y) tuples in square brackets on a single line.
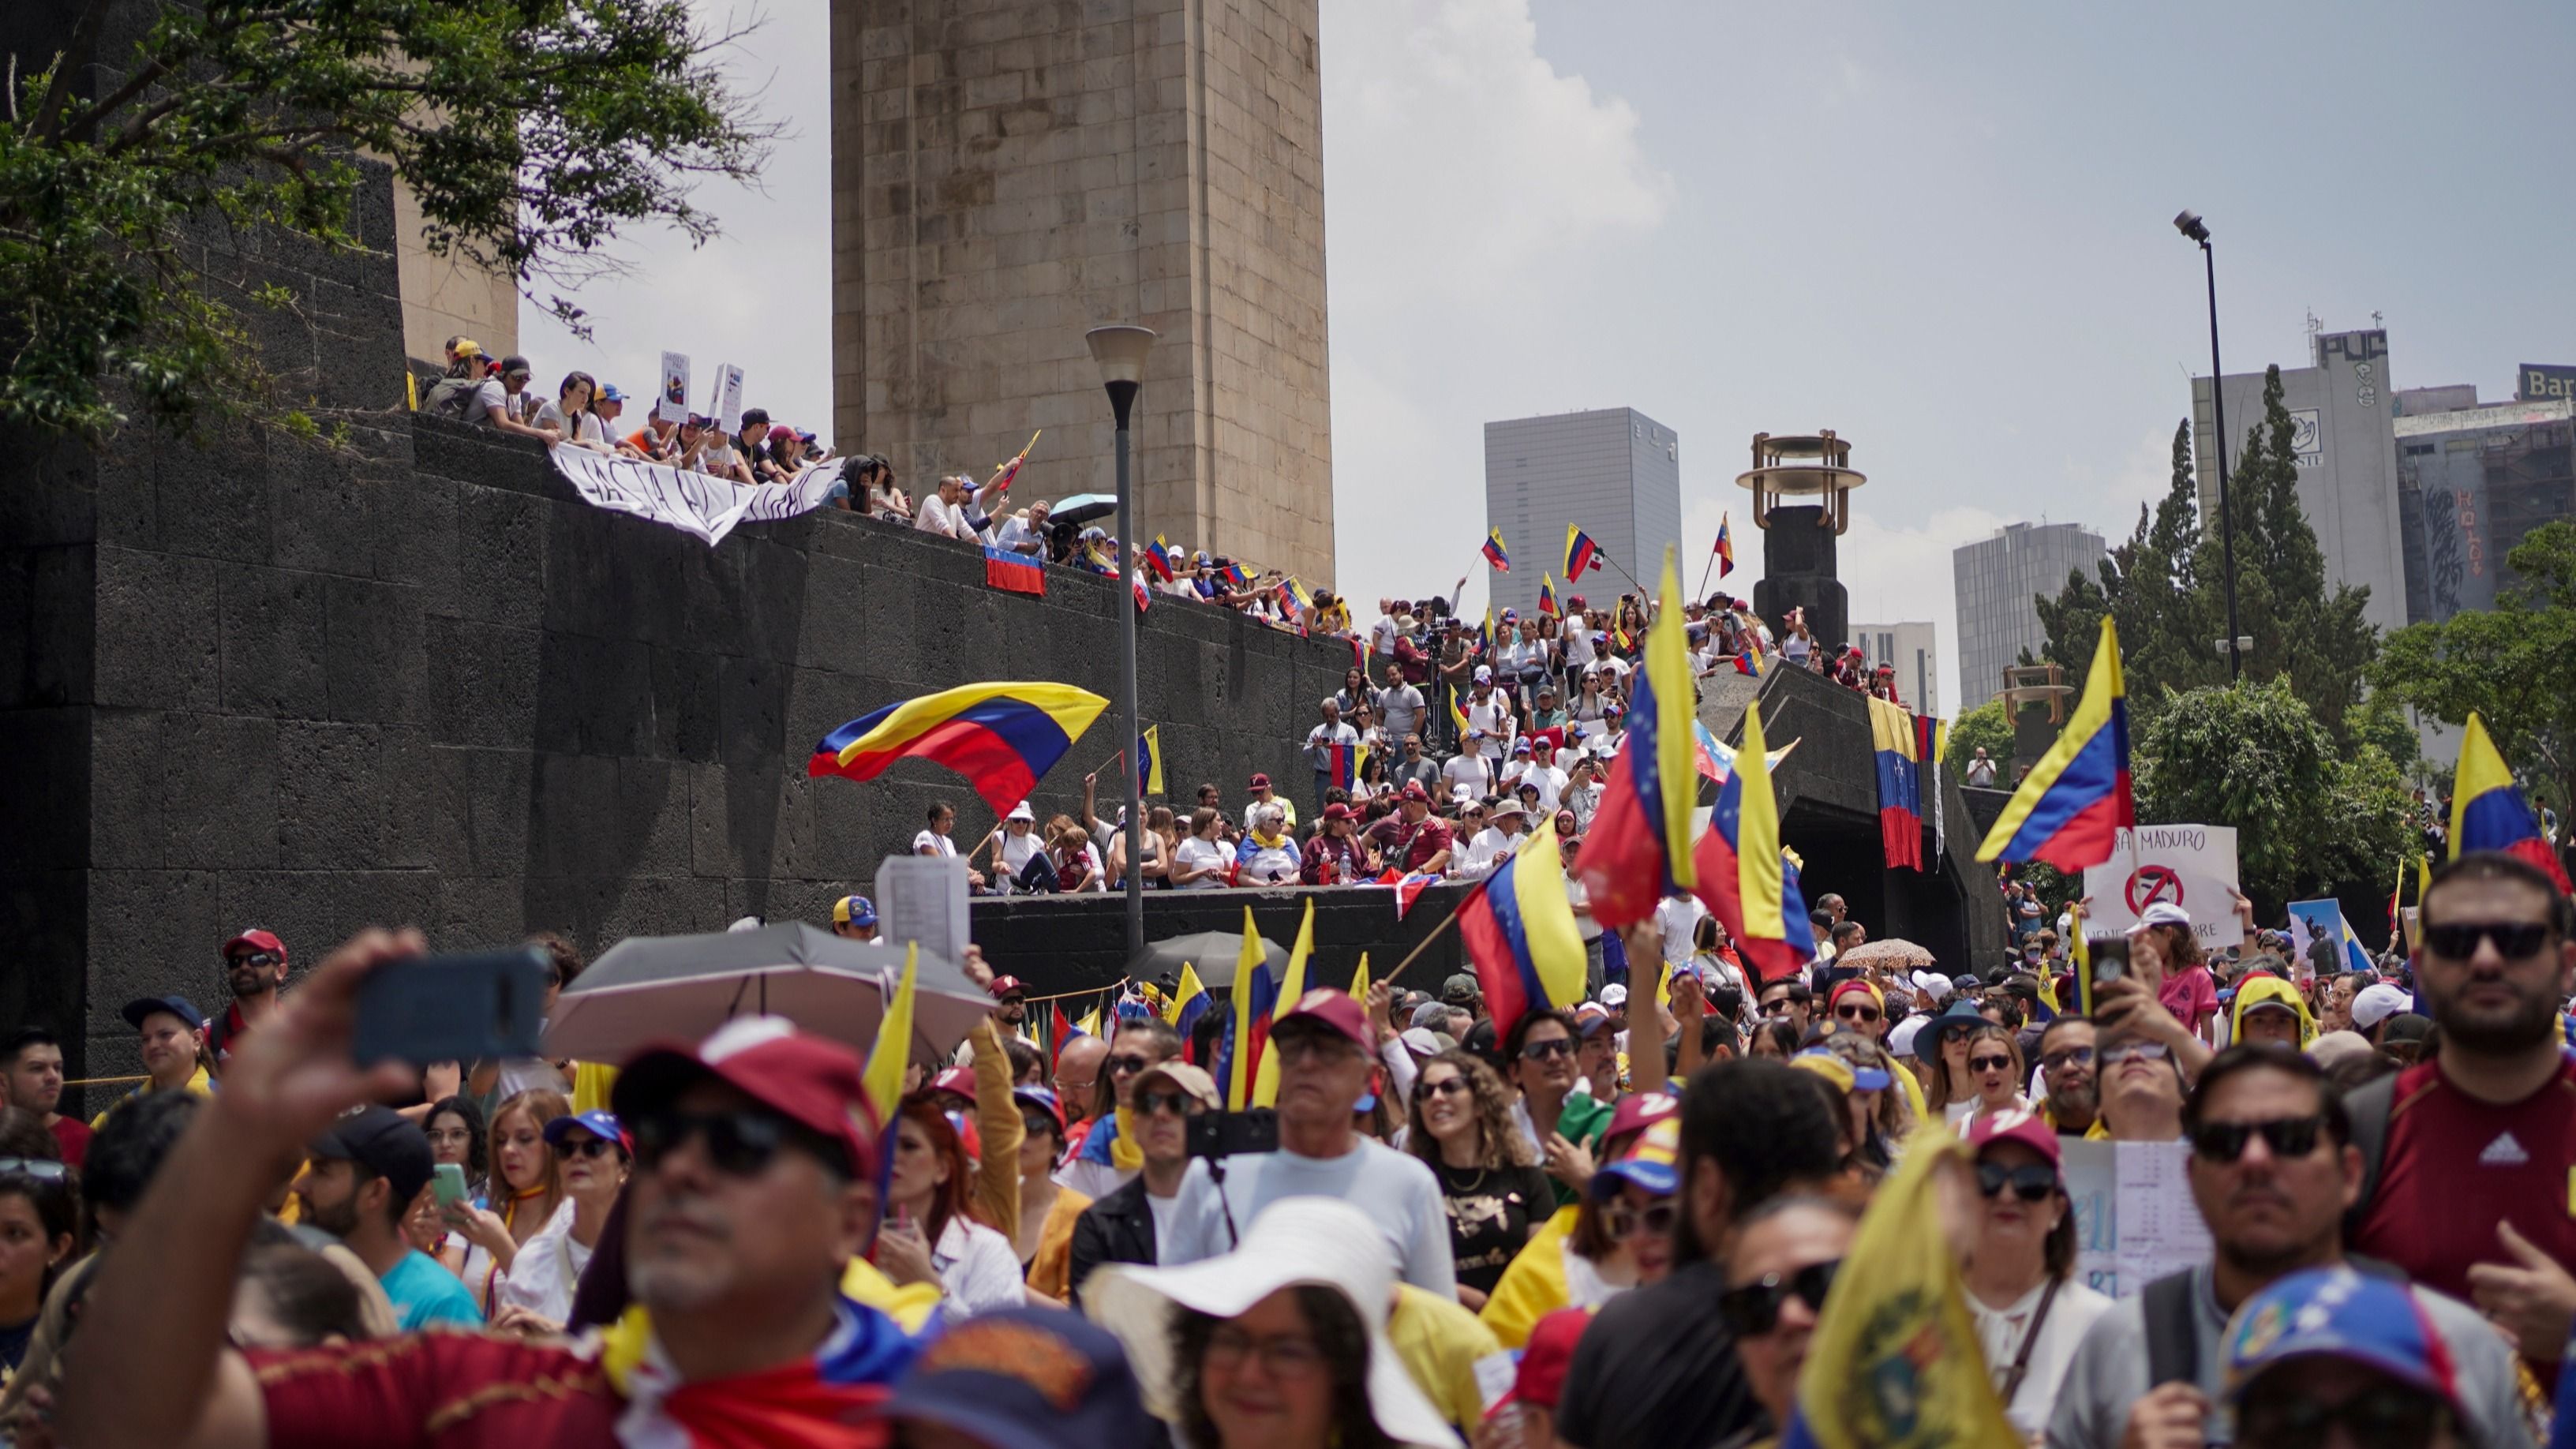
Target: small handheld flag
[(1149, 755), (1496, 554), (1002, 736), (1547, 605), (1744, 875), (1725, 549), (1159, 558), (1254, 995), (2075, 801), (1004, 473), (1581, 553)]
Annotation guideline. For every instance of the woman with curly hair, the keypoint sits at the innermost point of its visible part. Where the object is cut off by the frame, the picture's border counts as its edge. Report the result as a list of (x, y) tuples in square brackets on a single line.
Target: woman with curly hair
[(1492, 1185)]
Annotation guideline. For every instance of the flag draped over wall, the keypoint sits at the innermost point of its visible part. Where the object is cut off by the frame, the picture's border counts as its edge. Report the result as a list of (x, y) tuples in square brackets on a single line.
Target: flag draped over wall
[(1019, 573), (1900, 783)]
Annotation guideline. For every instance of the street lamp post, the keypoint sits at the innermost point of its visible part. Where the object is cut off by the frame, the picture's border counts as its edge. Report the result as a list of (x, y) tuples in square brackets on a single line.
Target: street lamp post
[(2190, 225), (1120, 352)]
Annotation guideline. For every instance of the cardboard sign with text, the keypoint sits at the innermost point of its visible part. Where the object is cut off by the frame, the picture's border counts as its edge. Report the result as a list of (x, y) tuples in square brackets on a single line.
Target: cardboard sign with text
[(728, 404), (2192, 866), (671, 401)]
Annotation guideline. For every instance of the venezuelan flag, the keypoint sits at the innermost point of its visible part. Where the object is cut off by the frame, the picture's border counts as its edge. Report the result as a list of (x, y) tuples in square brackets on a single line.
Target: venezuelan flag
[(1159, 558), (1001, 736), (2075, 801), (1495, 554), (1725, 549), (1519, 931), (1900, 787), (1750, 663), (1744, 876), (2487, 808), (1547, 605), (1346, 762), (1292, 988), (1020, 573), (1458, 713), (1705, 752), (1149, 754), (1248, 1033), (1895, 1359), (1580, 553), (1005, 474), (891, 1052), (1639, 848)]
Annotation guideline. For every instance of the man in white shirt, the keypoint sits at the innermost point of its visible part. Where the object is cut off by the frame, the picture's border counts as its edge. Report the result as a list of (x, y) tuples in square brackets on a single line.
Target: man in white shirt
[(1678, 918), (1505, 826), (943, 512), (1577, 632), (1326, 1053), (1541, 770), (935, 841), (1489, 713), (1468, 770)]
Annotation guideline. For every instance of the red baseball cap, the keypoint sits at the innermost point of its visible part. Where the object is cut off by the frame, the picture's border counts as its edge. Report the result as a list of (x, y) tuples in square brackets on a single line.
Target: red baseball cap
[(1540, 1379), (1335, 1009), (1260, 782), (2021, 1127), (810, 1081), (960, 1080), (1337, 811), (1413, 791), (258, 939), (1004, 987)]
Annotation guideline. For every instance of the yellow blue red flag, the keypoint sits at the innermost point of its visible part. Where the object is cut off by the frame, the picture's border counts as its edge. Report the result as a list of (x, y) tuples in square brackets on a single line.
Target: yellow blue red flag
[(1002, 736), (2075, 801), (1580, 553), (1495, 554), (2487, 808), (1898, 749), (1254, 994), (1518, 926), (1639, 848), (1744, 875), (1725, 549), (1292, 987), (891, 1052)]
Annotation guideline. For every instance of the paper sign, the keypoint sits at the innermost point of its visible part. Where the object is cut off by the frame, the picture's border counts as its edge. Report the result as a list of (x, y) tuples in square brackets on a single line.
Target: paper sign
[(923, 898), (2191, 866), (2135, 1220), (672, 406), (728, 405)]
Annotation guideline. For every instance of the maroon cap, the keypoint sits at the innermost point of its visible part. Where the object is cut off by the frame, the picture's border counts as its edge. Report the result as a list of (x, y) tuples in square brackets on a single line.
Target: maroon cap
[(960, 1080), (806, 1079), (1260, 781), (1335, 1009), (1337, 811), (1004, 987), (1639, 1112), (258, 939), (2019, 1127), (1413, 791)]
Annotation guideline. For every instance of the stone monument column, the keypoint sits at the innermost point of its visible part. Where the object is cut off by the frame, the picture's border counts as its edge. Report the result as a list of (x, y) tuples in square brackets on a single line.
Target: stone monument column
[(1798, 567)]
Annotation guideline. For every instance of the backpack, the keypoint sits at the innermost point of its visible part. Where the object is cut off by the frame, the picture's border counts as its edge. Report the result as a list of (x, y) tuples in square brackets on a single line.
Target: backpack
[(453, 397)]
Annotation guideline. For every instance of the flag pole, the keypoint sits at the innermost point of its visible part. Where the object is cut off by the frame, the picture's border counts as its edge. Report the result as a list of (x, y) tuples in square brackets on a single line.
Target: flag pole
[(1445, 923)]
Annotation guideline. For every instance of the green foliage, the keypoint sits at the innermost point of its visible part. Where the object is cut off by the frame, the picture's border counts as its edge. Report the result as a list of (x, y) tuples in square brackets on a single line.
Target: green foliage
[(2312, 819), (2510, 664), (2165, 586), (532, 132), (1983, 727)]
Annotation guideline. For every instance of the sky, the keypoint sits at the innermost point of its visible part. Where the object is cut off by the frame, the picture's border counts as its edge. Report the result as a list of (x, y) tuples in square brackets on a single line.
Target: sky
[(1944, 232)]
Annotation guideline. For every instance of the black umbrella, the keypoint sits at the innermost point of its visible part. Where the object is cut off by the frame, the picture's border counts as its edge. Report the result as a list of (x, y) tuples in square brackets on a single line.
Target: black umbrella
[(649, 988), (1211, 953), (1083, 508)]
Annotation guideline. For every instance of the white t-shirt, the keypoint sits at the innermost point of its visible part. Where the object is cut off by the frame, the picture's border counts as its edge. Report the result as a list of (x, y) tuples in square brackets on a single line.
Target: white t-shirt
[(1578, 643), (2000, 1332), (978, 1271), (1164, 1209), (1396, 1190), (933, 514), (1495, 719), (1550, 781), (487, 396), (1679, 917), (1198, 853), (1468, 768), (1013, 851), (545, 1271), (585, 426), (933, 842)]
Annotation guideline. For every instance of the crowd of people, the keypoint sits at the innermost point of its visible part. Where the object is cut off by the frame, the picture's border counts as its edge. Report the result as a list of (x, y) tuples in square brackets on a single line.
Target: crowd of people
[(585, 413), (1617, 1223)]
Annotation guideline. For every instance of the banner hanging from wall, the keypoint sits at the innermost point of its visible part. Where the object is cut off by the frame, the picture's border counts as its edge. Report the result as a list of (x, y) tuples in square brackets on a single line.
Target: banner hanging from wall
[(703, 507)]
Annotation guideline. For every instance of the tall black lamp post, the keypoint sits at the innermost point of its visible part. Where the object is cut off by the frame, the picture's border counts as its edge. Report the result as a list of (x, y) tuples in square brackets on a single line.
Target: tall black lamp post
[(2190, 225), (1120, 351)]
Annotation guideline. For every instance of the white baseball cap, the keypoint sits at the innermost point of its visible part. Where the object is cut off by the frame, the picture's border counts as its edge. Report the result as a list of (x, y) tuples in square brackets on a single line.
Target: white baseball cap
[(2378, 1002), (2165, 913), (1614, 995)]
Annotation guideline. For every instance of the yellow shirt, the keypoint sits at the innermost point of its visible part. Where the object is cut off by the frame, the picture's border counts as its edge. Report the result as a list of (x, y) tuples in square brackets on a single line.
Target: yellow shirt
[(1051, 1271), (1453, 1357), (199, 1083)]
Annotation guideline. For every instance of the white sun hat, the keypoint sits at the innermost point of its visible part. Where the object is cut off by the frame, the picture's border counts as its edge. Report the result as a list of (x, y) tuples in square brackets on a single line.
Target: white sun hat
[(1296, 1241)]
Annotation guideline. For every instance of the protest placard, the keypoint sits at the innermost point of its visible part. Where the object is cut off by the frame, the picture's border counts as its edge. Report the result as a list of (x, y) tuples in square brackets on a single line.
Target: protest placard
[(2135, 1220), (2191, 866), (671, 404), (923, 898), (727, 410)]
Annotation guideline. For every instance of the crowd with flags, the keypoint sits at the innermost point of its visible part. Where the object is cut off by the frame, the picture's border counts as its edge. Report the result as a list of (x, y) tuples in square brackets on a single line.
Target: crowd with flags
[(1677, 1154)]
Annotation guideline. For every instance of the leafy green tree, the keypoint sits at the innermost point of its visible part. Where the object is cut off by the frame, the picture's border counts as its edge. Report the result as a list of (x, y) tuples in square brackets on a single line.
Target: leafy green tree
[(1984, 727), (2148, 584), (2511, 664), (532, 132), (2312, 819)]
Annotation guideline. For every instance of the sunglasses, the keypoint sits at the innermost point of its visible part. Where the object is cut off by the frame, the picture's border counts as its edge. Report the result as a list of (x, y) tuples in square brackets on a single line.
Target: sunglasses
[(2153, 1051), (2285, 1136), (1621, 1221), (589, 1147), (269, 958), (1754, 1309), (1149, 1103), (2081, 1056), (1856, 1011), (1446, 1086), (2387, 1414), (2031, 1182), (740, 1144), (42, 1169), (1536, 1051), (1990, 1064), (2514, 940), (1128, 1066)]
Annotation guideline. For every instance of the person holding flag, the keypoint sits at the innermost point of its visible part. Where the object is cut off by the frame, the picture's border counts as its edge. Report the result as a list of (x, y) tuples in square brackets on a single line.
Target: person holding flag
[(1495, 553), (1333, 752)]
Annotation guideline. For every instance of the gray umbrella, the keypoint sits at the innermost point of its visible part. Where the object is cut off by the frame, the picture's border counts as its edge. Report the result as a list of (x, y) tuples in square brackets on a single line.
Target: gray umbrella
[(1211, 953), (651, 988), (1082, 508)]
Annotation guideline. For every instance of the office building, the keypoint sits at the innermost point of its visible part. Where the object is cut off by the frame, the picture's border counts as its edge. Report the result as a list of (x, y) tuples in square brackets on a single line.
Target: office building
[(1998, 579), (1912, 649), (2341, 407), (1615, 473), (2472, 479)]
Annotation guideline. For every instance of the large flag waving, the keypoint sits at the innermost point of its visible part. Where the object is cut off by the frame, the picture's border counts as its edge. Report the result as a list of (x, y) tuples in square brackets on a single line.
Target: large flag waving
[(1001, 736), (2487, 808), (1743, 874), (1292, 987), (1639, 848), (1894, 1358), (1519, 930), (1580, 553), (2076, 800)]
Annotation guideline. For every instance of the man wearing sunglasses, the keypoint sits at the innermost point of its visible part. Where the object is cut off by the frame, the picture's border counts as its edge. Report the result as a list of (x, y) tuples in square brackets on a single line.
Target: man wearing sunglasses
[(1563, 1126), (1124, 1227), (1097, 1165), (2066, 1070), (254, 971), (2272, 1169), (1788, 1000), (1857, 1006), (1327, 1057), (754, 1187), (2472, 1190), (1777, 1274)]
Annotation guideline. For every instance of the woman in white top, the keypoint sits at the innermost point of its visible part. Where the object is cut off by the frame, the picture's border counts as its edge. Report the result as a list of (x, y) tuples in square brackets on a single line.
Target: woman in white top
[(1200, 862), (536, 1293), (1015, 845), (931, 1234), (1995, 1073), (2031, 1310), (569, 416), (523, 1196)]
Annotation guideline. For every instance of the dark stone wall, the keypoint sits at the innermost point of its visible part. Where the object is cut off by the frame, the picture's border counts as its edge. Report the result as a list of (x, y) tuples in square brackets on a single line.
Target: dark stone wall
[(415, 679)]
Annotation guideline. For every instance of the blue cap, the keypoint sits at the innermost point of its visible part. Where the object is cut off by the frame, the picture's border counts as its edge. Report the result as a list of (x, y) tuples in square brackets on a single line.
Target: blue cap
[(854, 911), (2338, 1313), (608, 393), (1366, 1103), (1652, 1163), (177, 1005), (1869, 1079), (1026, 1378), (598, 1122)]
